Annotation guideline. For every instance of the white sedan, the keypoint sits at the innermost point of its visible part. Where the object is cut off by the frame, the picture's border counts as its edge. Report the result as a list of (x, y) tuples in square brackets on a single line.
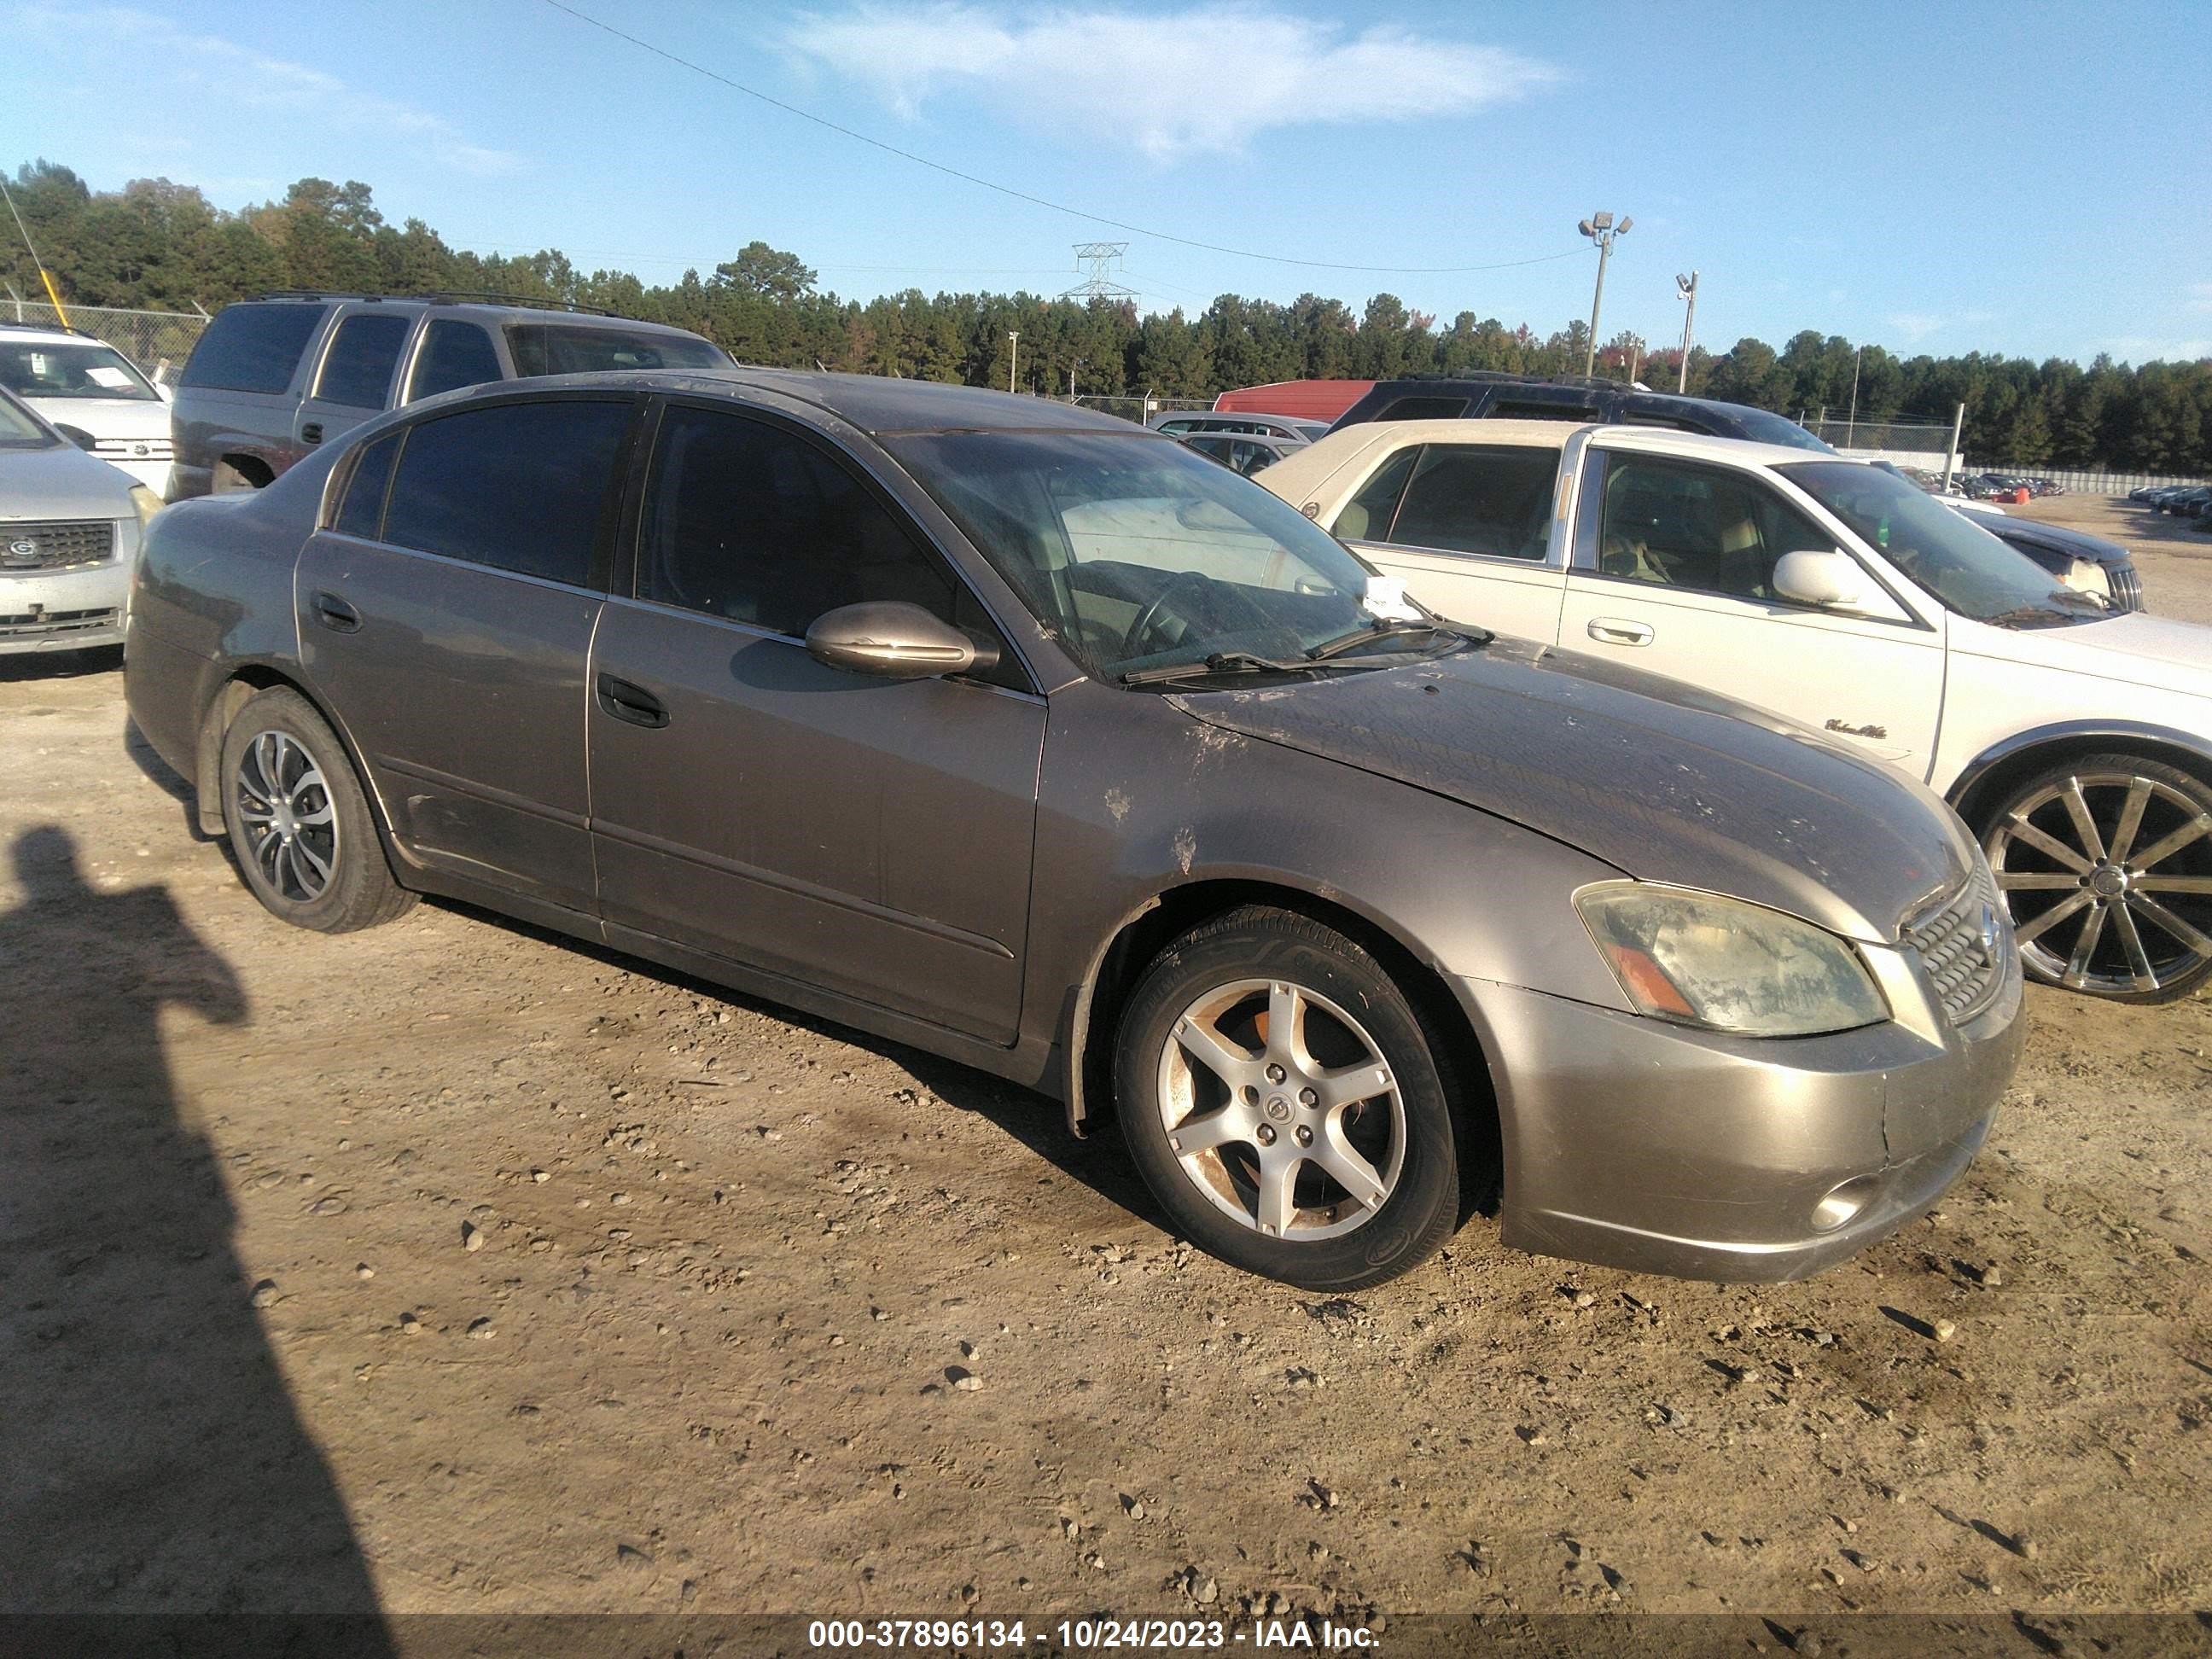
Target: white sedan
[(2077, 742)]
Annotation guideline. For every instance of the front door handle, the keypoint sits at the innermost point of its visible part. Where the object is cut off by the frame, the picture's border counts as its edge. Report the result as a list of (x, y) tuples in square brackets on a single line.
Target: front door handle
[(334, 614), (632, 703), (1611, 630), (312, 432)]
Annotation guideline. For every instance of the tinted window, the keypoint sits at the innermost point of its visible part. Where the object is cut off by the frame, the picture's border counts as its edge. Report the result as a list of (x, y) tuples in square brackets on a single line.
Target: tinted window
[(1424, 409), (748, 521), (566, 348), (1479, 499), (1366, 517), (357, 368), (454, 354), (1536, 409), (253, 348), (1698, 528), (363, 513), (518, 486)]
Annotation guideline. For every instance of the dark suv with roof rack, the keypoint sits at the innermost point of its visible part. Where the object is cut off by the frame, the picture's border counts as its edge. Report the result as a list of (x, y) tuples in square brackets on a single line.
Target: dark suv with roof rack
[(272, 378), (1498, 396)]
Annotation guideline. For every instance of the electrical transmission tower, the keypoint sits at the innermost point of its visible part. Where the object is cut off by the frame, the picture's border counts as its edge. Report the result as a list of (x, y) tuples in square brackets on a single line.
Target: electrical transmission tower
[(1101, 258)]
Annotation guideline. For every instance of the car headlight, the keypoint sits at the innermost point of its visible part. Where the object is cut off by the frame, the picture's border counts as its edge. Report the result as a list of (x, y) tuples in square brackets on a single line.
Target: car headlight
[(2087, 576), (148, 504), (1727, 964)]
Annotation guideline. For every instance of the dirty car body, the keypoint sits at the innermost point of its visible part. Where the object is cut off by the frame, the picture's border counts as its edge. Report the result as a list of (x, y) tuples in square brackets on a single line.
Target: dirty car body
[(1169, 721)]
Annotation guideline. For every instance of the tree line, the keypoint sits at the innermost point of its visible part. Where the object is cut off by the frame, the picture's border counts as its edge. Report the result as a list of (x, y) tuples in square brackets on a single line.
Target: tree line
[(161, 246)]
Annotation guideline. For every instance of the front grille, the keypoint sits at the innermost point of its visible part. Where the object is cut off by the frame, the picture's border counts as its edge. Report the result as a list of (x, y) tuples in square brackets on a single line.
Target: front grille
[(2127, 587), (39, 623), (134, 449), (59, 546), (1950, 944)]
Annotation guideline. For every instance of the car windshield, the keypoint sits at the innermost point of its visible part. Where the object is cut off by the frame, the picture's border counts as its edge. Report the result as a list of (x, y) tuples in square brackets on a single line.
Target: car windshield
[(42, 368), (22, 429), (578, 348), (1140, 554), (1966, 569)]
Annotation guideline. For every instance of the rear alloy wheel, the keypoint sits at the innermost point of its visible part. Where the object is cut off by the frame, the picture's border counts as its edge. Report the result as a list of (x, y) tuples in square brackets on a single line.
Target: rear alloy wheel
[(299, 822), (1286, 1105), (2104, 866)]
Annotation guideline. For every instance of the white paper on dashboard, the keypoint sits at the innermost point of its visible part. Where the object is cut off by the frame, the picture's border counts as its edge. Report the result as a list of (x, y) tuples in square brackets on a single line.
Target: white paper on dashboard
[(103, 374), (1386, 600)]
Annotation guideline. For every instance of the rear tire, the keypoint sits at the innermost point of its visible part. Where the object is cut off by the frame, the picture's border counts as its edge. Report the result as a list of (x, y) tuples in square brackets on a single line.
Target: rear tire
[(1288, 1105), (299, 821), (2105, 865)]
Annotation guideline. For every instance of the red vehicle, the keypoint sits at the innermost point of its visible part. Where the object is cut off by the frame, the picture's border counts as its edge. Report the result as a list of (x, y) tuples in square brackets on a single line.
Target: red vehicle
[(1308, 400)]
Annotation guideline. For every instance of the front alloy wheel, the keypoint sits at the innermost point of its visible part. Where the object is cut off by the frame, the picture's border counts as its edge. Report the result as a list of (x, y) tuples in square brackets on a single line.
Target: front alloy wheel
[(1288, 1105), (2106, 867)]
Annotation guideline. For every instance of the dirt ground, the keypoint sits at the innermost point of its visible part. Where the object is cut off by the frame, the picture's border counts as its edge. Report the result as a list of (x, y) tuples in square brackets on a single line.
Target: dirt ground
[(452, 1267)]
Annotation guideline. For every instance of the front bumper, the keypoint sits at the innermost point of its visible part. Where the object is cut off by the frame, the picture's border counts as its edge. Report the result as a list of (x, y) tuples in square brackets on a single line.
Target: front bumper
[(64, 609), (1658, 1148)]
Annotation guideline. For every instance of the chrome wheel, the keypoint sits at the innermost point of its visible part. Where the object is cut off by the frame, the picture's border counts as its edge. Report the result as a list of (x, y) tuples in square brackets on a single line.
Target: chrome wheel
[(1281, 1109), (2107, 876), (285, 808)]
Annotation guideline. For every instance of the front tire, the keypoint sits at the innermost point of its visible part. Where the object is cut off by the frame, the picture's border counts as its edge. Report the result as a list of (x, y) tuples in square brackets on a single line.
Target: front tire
[(1288, 1103), (299, 820), (2104, 866)]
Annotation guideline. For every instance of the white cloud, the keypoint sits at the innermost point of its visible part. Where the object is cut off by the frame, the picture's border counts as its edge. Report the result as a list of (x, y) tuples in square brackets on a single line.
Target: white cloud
[(1207, 79), (219, 69), (1916, 326), (2148, 349)]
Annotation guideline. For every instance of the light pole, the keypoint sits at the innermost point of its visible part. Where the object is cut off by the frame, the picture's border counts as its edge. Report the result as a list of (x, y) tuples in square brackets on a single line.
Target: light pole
[(1685, 288), (1601, 229), (1852, 422), (1014, 354), (1072, 366)]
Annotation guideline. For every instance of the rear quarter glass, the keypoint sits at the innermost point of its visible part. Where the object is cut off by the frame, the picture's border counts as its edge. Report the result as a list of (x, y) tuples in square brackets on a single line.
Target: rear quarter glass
[(253, 348)]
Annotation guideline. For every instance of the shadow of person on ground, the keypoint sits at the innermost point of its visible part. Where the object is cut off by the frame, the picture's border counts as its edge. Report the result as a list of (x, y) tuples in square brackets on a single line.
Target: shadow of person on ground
[(150, 1457)]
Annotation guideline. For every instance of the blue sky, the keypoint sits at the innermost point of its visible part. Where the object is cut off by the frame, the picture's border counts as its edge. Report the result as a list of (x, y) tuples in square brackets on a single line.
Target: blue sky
[(2026, 178)]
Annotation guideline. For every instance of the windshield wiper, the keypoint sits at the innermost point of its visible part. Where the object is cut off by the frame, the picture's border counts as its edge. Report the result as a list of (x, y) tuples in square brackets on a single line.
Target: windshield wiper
[(1383, 630), (2027, 615), (1221, 662)]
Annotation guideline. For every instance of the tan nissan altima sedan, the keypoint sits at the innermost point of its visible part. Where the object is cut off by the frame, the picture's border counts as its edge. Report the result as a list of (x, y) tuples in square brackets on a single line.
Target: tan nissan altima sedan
[(1031, 738)]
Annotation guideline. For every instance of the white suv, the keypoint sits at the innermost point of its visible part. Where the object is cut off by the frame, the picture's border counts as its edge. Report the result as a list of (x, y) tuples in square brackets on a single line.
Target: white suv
[(2075, 739), (96, 396)]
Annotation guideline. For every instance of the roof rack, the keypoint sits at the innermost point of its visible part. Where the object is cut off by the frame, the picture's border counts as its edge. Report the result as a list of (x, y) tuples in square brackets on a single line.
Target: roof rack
[(445, 297)]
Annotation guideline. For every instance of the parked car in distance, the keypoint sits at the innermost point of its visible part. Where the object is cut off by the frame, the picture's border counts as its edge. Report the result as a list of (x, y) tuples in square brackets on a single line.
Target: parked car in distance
[(2190, 503), (2075, 740), (2088, 564), (1502, 397), (1183, 422), (70, 532), (273, 378), (93, 395), (1021, 735), (1241, 452)]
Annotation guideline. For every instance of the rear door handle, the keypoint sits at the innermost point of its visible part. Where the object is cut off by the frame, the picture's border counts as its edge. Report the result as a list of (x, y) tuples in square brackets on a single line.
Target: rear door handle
[(1613, 631), (312, 432), (632, 703), (334, 614)]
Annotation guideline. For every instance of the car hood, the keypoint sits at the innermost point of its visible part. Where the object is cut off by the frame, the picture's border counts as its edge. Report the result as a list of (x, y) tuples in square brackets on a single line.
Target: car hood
[(1659, 779), (2079, 544), (2138, 649), (106, 418), (61, 482)]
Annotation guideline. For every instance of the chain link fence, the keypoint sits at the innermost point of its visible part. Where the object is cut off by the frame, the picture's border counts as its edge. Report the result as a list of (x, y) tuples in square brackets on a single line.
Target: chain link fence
[(157, 341), (1921, 444), (1139, 409)]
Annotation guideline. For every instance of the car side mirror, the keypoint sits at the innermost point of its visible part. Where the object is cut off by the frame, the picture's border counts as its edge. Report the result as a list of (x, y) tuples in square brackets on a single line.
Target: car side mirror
[(1831, 580), (897, 641), (79, 436)]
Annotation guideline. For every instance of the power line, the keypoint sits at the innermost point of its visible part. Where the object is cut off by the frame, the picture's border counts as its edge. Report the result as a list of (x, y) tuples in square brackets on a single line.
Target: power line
[(1024, 195)]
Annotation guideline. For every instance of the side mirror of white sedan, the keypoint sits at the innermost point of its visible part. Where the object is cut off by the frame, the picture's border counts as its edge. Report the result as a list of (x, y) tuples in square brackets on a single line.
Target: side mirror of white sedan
[(1831, 580)]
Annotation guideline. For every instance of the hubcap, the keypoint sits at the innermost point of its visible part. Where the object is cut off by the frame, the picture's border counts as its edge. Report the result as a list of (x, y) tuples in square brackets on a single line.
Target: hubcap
[(1282, 1109), (2107, 877), (284, 805)]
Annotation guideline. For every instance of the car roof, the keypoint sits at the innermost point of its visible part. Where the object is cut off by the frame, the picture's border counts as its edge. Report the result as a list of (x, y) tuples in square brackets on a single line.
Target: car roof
[(46, 334), (1554, 435), (875, 404)]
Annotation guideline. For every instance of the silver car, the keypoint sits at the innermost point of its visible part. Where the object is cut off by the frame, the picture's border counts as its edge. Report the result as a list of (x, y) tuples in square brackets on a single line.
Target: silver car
[(69, 530), (1021, 735)]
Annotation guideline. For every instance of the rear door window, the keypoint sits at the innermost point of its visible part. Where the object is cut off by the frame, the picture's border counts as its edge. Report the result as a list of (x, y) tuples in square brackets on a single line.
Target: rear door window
[(1424, 409), (1492, 500), (253, 348), (362, 511), (1544, 409), (1366, 517), (454, 354), (522, 487), (357, 368)]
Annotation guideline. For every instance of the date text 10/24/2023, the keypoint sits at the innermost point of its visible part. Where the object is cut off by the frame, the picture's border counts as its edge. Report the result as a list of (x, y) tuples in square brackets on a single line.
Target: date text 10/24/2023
[(1087, 1635)]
